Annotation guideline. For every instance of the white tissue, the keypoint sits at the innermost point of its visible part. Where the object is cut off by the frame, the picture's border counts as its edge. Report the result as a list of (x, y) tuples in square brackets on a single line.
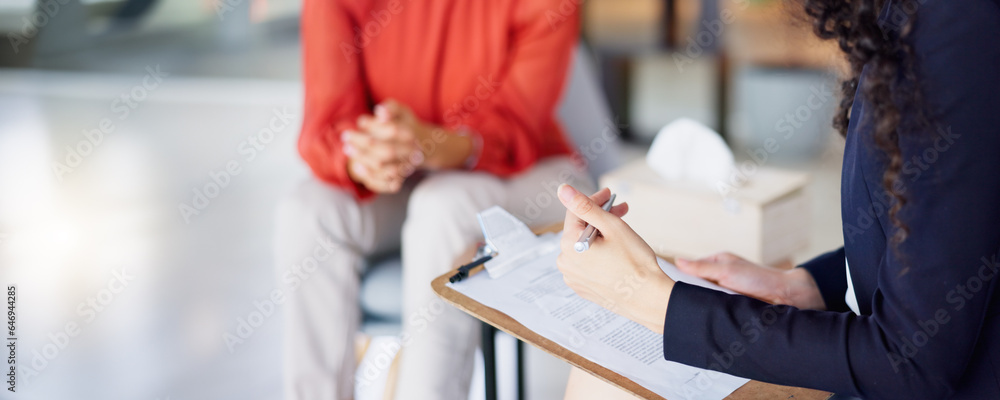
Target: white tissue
[(686, 150)]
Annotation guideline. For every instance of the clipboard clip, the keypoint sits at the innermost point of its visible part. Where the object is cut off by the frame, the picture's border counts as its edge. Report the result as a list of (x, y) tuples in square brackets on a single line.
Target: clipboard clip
[(484, 253)]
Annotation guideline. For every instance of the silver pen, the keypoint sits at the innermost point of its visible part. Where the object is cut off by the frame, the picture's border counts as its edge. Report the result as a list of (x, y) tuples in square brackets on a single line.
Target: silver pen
[(587, 235)]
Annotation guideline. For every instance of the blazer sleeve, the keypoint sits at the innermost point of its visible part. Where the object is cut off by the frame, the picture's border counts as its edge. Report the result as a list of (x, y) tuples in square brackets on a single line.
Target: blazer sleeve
[(512, 122), (929, 308), (830, 272), (335, 94)]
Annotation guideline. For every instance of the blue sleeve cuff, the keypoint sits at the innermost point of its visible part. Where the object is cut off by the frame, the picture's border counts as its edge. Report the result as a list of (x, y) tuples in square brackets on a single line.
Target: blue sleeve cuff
[(830, 273)]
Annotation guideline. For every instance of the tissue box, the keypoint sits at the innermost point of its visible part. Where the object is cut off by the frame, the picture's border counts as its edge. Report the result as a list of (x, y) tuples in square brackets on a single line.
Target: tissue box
[(764, 221)]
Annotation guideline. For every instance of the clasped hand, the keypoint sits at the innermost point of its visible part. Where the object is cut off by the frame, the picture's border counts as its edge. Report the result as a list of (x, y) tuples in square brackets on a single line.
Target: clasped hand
[(385, 149)]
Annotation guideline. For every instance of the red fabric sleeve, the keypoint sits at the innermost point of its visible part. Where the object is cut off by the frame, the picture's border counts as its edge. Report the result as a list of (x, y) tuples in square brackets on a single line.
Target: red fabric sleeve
[(334, 89), (514, 119)]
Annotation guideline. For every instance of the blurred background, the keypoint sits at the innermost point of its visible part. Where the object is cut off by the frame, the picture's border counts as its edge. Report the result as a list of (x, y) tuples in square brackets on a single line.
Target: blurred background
[(116, 114)]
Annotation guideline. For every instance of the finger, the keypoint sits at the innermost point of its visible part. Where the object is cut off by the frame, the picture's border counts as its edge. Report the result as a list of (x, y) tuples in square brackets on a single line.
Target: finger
[(381, 186), (393, 185), (407, 169), (727, 256), (404, 161), (382, 182), (704, 268), (360, 170), (722, 257), (364, 122), (370, 166), (572, 225), (378, 153), (586, 208), (375, 179), (383, 130), (384, 153), (376, 168), (601, 196), (392, 147), (382, 114), (403, 168), (377, 157), (571, 230), (390, 109), (619, 210), (354, 142)]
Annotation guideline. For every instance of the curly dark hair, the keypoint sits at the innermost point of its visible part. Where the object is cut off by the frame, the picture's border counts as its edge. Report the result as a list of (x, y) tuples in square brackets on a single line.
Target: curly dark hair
[(890, 84)]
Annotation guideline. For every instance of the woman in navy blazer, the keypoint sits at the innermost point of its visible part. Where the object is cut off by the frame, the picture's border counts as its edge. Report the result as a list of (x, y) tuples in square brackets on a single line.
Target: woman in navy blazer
[(921, 219)]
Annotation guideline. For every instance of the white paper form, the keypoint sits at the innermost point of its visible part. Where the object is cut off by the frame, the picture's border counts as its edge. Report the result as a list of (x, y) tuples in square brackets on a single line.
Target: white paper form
[(535, 295)]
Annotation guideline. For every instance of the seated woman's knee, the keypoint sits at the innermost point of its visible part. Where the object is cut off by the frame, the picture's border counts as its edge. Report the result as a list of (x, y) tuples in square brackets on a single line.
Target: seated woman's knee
[(454, 196), (314, 202)]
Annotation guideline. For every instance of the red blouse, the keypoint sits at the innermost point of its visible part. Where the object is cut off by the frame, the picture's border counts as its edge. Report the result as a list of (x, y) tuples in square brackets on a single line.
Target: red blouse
[(496, 68)]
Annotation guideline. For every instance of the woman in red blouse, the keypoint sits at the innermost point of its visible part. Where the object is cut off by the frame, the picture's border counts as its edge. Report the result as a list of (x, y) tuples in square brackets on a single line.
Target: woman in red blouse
[(418, 114)]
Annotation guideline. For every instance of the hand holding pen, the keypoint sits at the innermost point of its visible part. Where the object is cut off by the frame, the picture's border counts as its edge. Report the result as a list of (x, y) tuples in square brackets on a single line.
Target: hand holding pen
[(615, 258), (587, 221)]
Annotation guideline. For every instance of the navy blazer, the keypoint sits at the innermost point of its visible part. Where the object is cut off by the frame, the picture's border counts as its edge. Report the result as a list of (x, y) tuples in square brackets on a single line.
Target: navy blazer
[(929, 331)]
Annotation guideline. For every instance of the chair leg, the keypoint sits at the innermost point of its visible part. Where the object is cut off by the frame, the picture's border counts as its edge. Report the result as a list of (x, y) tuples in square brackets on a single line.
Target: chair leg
[(520, 371), (488, 346)]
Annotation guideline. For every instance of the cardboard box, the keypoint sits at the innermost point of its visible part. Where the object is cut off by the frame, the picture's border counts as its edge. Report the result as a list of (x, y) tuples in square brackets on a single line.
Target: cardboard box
[(765, 220)]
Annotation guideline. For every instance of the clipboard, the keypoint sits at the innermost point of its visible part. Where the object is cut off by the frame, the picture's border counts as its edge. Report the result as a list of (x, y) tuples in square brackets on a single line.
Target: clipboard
[(751, 390)]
